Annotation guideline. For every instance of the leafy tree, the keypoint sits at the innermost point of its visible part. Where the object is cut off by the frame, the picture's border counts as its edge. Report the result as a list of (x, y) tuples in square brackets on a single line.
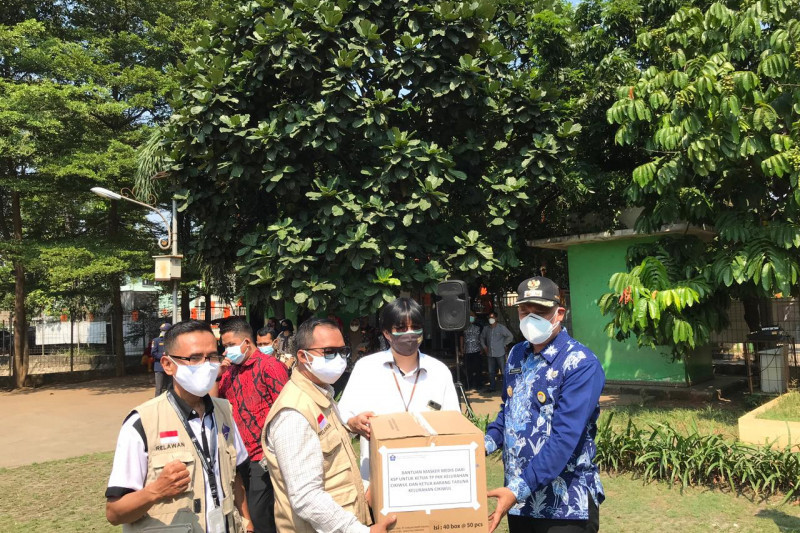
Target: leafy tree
[(717, 108), (79, 86), (337, 151), (589, 50), (127, 49), (38, 129)]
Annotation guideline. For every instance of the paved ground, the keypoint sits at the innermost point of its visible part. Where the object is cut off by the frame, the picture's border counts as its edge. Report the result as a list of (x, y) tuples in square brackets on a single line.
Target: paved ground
[(56, 422), (489, 403)]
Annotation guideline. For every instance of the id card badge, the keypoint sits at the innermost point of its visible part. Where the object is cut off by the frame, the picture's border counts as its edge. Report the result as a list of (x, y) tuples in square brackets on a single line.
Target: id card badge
[(216, 521)]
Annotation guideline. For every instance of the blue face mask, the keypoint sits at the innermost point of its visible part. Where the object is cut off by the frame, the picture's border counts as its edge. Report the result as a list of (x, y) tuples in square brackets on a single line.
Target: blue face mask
[(234, 353), (268, 349), (472, 320)]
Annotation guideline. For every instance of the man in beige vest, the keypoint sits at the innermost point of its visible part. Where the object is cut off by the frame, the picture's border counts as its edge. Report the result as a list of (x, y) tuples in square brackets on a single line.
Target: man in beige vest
[(307, 448), (175, 466)]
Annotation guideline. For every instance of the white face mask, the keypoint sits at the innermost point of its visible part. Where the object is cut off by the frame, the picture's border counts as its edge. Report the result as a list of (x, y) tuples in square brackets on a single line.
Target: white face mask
[(536, 329), (196, 379), (492, 321), (354, 327), (326, 370)]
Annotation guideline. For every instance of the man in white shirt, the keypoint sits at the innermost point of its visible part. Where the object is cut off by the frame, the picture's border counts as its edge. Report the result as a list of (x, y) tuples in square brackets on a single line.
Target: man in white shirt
[(398, 379), (179, 455)]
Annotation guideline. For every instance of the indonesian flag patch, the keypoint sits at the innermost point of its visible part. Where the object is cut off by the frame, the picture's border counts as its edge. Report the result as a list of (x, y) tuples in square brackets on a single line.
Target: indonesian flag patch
[(168, 437), (322, 421)]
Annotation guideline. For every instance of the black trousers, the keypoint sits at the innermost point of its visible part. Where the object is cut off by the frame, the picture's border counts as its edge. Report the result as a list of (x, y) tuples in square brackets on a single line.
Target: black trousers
[(473, 362), (526, 524), (260, 499)]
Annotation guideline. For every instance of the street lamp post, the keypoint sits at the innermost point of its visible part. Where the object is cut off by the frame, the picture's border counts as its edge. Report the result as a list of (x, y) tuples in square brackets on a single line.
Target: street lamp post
[(167, 266)]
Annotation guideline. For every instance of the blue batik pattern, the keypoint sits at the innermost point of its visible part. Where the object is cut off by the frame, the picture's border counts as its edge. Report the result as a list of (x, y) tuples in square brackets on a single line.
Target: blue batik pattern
[(546, 429)]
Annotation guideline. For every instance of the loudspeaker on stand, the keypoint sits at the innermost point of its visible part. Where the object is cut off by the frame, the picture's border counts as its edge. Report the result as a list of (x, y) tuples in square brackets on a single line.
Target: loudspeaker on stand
[(452, 309)]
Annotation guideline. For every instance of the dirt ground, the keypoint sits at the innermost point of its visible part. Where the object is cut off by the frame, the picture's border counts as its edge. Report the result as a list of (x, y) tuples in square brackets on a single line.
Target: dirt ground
[(61, 421)]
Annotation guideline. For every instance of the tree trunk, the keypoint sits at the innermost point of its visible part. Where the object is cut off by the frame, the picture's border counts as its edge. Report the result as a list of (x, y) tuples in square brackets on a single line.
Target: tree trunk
[(280, 308), (185, 311), (20, 319), (116, 298), (256, 316), (752, 314), (116, 326), (207, 300)]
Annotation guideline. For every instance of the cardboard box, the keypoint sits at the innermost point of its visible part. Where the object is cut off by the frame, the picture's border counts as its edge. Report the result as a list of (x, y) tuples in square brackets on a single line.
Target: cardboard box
[(430, 469)]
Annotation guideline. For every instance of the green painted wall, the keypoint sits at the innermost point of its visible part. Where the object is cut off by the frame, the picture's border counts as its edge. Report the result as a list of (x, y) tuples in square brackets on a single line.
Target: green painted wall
[(590, 267)]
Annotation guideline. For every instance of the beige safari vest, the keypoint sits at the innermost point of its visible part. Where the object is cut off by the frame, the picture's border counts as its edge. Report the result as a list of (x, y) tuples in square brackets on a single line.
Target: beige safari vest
[(341, 476), (179, 514)]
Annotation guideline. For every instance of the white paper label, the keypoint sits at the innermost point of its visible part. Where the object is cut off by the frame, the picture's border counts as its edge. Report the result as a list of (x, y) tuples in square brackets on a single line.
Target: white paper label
[(429, 478)]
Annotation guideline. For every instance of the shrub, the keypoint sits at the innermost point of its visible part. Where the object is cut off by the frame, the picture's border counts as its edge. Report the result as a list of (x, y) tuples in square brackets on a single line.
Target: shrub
[(480, 421), (662, 453)]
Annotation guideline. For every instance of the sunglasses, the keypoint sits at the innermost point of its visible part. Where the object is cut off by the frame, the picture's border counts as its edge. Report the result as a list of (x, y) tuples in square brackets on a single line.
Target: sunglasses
[(407, 332), (331, 352)]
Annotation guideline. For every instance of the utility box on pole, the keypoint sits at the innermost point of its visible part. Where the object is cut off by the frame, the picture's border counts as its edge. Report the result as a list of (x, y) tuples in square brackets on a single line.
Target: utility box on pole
[(168, 267)]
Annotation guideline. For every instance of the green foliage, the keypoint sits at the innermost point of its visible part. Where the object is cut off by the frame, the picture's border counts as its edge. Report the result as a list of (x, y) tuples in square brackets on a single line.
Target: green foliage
[(334, 152), (664, 454), (480, 421), (718, 109), (667, 299), (79, 82)]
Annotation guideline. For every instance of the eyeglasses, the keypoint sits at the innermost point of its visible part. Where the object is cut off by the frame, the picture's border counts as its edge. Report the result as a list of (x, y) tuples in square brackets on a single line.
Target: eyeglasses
[(199, 359), (331, 352)]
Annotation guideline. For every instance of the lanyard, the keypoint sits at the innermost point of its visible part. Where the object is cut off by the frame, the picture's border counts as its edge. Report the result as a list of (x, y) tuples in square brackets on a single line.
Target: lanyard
[(406, 405), (203, 452)]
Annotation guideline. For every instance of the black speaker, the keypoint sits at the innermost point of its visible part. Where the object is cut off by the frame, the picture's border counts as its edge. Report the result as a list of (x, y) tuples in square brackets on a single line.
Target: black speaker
[(452, 309)]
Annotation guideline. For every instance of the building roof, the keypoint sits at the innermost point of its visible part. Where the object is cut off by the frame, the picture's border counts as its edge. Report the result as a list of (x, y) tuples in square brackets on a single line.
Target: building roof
[(703, 232)]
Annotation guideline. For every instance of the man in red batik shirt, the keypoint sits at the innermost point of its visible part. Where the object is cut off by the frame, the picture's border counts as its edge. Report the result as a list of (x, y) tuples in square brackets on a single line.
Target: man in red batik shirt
[(251, 380)]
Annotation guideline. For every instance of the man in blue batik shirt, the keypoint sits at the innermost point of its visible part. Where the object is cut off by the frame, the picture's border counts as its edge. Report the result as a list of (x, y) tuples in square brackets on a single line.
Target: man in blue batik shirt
[(547, 423)]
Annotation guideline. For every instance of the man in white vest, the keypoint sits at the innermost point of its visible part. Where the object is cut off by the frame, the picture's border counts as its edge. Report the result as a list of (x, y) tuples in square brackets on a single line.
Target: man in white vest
[(307, 447), (176, 463)]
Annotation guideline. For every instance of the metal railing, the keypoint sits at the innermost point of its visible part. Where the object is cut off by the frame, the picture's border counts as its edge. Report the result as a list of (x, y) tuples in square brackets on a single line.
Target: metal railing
[(58, 344)]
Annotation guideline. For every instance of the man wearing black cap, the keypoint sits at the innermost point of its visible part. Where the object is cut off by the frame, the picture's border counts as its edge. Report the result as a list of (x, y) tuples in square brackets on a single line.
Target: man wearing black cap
[(547, 423)]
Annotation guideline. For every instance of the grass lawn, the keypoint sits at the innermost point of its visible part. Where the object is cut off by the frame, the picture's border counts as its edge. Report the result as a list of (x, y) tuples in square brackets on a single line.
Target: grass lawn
[(707, 419), (787, 408), (67, 496)]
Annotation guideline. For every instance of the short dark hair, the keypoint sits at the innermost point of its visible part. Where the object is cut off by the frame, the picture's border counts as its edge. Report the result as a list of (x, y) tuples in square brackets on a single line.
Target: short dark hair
[(305, 333), (236, 324), (181, 328), (399, 312), (266, 330)]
